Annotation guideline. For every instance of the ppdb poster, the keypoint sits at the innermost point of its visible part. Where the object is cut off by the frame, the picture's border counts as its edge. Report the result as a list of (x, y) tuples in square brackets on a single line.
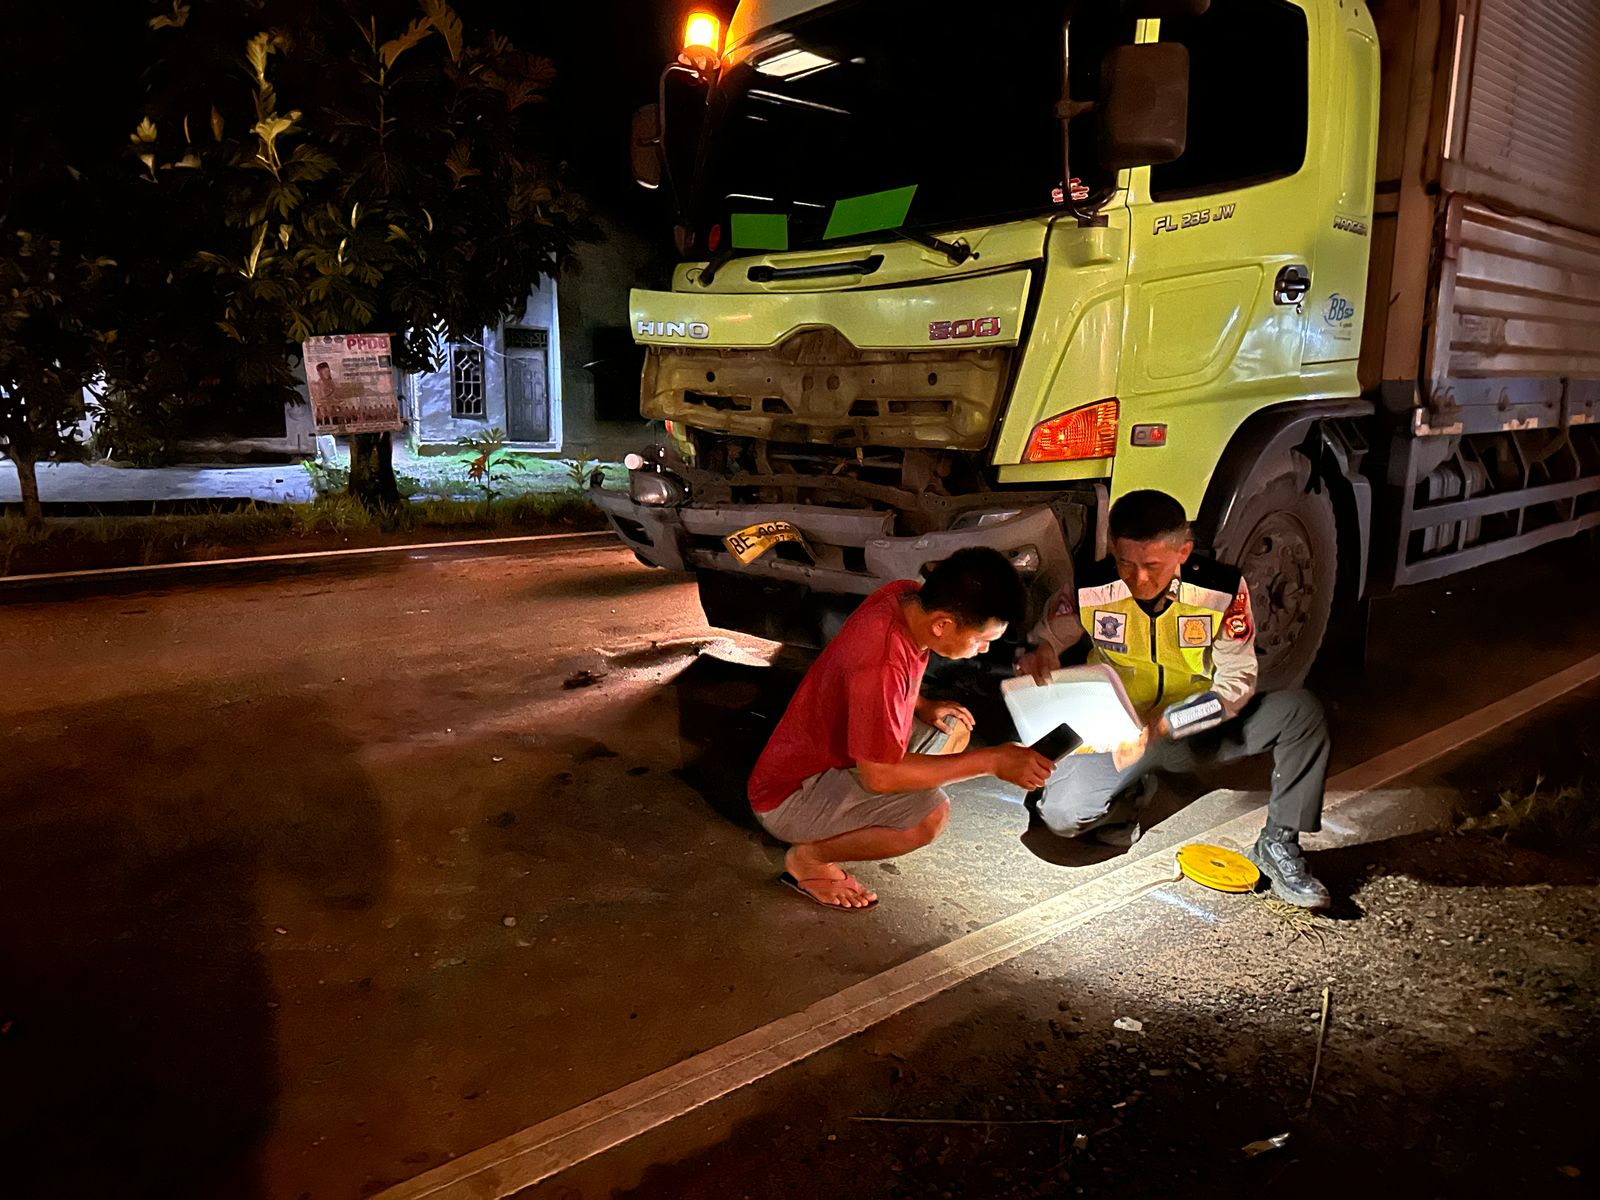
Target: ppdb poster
[(352, 383)]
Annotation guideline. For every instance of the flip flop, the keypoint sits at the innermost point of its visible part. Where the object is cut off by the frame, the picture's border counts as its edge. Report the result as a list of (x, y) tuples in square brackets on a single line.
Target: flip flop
[(790, 881)]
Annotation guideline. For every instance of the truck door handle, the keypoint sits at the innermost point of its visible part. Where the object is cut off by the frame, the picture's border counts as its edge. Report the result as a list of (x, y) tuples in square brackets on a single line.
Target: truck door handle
[(1292, 284)]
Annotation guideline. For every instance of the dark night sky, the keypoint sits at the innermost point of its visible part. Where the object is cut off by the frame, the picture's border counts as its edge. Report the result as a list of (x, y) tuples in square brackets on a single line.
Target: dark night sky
[(609, 55)]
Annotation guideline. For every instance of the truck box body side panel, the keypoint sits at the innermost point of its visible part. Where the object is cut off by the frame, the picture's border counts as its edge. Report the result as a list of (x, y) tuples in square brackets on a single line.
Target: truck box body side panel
[(1415, 41), (1525, 131), (1519, 299)]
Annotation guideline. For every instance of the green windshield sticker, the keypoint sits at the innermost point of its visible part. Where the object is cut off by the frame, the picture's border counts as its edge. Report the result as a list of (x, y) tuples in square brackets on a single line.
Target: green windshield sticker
[(868, 214), (761, 231)]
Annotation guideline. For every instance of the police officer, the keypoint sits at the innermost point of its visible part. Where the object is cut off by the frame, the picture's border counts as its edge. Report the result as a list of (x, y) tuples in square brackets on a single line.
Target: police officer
[(1180, 634)]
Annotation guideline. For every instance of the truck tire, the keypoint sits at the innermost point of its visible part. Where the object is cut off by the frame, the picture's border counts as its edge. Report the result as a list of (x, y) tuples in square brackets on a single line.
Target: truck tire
[(1284, 538)]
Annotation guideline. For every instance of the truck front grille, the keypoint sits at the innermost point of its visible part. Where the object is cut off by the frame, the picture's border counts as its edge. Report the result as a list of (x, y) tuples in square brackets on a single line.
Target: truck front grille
[(817, 387)]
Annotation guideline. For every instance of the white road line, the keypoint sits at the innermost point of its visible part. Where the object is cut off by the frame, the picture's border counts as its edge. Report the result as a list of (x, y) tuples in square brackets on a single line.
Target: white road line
[(302, 556), (1402, 760), (545, 1149)]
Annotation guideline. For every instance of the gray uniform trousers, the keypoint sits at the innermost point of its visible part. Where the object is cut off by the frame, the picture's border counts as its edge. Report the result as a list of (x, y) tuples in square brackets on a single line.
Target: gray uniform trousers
[(1087, 790)]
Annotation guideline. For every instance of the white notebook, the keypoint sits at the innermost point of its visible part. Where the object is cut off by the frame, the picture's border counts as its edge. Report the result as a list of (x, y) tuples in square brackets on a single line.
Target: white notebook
[(1089, 699)]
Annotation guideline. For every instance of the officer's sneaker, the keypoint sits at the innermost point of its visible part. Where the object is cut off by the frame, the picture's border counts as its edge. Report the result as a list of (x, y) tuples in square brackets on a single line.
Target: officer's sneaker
[(1277, 852)]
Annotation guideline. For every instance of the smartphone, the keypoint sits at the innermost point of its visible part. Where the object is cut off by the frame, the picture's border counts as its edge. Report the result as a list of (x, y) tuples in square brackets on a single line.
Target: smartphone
[(1058, 743)]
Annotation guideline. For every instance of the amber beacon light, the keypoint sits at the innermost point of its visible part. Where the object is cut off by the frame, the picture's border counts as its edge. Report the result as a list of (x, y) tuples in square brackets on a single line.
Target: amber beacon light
[(702, 41), (1087, 432)]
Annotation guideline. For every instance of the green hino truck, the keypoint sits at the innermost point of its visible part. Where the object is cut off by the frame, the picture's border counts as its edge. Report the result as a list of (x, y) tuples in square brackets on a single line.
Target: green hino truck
[(961, 274)]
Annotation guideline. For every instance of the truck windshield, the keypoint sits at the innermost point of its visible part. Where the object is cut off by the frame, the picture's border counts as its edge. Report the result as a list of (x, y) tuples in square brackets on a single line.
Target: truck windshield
[(863, 98)]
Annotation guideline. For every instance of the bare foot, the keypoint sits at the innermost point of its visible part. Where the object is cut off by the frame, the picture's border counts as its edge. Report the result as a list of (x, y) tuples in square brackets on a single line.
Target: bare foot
[(827, 883)]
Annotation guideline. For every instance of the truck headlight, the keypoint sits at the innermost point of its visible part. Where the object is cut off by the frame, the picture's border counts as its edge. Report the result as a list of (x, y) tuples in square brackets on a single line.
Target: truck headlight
[(654, 488), (1026, 560), (980, 520)]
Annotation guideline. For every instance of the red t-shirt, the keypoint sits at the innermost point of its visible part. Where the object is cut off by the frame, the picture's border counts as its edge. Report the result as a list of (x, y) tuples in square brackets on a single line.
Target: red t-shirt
[(856, 703)]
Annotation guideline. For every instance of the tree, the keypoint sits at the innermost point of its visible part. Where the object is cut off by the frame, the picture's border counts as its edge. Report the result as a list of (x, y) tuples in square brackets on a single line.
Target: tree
[(62, 179), (356, 166), (49, 352)]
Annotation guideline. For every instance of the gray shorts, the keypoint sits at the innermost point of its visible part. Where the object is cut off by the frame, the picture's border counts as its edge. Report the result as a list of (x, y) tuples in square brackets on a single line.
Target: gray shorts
[(834, 802)]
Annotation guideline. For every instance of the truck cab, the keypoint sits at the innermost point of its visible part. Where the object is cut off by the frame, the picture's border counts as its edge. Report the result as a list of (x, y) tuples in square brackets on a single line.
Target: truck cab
[(953, 281)]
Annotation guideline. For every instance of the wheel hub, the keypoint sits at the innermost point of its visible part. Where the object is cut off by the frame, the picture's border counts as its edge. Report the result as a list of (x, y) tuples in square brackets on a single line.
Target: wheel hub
[(1278, 565)]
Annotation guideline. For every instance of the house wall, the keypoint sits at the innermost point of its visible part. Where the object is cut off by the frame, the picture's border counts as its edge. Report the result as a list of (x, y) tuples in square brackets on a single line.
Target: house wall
[(433, 426), (593, 365)]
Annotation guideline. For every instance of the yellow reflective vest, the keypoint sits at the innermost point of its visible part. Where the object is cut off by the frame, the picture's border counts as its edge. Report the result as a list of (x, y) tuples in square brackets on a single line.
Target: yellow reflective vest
[(1202, 641)]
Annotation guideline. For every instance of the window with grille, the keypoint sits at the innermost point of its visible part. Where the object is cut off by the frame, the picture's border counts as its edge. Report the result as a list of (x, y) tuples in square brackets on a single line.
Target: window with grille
[(466, 380)]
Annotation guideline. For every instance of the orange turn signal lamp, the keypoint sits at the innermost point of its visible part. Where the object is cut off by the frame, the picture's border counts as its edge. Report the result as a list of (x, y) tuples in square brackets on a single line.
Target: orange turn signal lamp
[(1087, 432)]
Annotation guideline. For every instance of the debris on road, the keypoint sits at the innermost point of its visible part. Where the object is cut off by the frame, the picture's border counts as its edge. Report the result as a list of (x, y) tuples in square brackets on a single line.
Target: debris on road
[(1322, 1037), (1266, 1144), (1128, 1024), (508, 921), (582, 679), (1301, 922)]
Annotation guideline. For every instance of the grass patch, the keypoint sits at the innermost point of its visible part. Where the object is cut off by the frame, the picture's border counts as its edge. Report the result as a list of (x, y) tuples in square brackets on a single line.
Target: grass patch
[(1567, 816), (447, 476)]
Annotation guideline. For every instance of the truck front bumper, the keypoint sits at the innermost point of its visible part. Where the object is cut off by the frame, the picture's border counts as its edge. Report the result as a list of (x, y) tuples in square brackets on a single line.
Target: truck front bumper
[(851, 552)]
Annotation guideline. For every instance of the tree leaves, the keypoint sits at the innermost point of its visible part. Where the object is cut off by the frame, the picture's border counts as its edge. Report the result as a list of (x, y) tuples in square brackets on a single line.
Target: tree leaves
[(255, 254), (361, 173), (180, 14), (50, 340), (256, 51), (269, 129), (443, 18), (459, 162), (395, 47)]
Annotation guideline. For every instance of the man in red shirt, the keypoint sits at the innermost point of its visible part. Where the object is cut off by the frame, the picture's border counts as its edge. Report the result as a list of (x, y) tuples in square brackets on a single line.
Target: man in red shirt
[(857, 766)]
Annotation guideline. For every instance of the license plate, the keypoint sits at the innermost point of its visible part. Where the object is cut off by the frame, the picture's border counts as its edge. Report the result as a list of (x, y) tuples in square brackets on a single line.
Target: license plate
[(753, 541)]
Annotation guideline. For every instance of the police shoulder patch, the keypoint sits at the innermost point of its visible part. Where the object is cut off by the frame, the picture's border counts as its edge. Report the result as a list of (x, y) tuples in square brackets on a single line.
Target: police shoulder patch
[(1238, 623)]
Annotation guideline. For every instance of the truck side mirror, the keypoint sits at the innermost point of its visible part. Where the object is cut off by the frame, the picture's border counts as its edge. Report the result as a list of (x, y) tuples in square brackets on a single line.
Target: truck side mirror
[(1144, 105), (645, 149)]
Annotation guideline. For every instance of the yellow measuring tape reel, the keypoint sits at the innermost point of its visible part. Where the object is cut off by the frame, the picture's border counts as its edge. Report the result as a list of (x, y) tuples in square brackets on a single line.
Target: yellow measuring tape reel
[(1218, 868)]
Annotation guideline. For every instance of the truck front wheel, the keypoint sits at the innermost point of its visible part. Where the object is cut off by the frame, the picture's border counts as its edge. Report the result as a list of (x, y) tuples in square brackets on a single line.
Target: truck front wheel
[(1283, 537)]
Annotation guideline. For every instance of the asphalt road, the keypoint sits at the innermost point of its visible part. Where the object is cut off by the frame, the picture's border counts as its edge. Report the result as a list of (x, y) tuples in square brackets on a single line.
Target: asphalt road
[(317, 878)]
